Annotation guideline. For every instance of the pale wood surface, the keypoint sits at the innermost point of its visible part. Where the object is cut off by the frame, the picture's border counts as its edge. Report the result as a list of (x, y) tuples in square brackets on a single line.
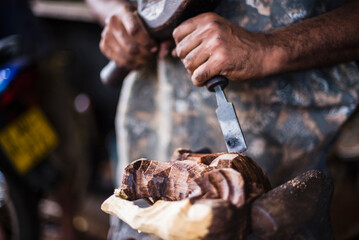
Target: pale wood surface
[(195, 196), (178, 220), (77, 11)]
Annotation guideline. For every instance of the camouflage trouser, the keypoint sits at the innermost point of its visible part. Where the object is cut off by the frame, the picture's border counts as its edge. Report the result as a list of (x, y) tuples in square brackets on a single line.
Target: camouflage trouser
[(347, 146), (288, 121)]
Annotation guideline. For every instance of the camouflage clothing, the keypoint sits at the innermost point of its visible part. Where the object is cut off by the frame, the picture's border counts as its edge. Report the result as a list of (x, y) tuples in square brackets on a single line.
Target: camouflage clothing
[(288, 120)]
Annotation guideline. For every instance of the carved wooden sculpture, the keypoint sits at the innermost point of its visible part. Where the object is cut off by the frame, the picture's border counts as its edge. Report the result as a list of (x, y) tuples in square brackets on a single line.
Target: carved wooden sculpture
[(194, 196)]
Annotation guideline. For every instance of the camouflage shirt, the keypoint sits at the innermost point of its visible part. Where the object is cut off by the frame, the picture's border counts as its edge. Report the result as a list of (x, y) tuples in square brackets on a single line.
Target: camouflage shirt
[(288, 120)]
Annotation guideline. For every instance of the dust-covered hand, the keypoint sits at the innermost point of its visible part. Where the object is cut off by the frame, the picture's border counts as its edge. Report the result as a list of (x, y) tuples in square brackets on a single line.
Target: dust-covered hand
[(125, 39), (210, 45)]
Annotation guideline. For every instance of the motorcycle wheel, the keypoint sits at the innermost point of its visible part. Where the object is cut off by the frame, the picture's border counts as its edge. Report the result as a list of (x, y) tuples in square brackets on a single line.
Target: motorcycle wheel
[(18, 212)]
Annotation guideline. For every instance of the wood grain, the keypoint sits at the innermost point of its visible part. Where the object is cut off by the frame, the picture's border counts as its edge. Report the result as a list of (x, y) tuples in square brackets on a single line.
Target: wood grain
[(194, 196)]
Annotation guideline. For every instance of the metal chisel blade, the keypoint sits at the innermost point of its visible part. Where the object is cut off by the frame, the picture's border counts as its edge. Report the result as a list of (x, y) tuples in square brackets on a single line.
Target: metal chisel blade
[(228, 121)]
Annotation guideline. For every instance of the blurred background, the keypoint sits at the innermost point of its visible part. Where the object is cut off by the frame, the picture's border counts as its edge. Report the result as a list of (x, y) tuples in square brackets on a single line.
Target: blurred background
[(57, 139)]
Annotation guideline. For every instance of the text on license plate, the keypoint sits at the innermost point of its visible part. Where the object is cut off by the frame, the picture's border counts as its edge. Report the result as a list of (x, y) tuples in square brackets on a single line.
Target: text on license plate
[(28, 139)]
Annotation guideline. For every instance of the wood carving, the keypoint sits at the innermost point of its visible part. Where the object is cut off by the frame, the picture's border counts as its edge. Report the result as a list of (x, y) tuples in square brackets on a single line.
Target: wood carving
[(194, 196)]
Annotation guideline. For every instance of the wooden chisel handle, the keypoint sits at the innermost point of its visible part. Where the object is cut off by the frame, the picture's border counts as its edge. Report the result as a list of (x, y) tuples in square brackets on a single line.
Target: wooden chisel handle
[(215, 81), (113, 75)]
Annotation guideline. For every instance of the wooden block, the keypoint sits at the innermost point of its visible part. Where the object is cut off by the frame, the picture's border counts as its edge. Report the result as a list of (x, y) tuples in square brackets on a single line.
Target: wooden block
[(298, 209)]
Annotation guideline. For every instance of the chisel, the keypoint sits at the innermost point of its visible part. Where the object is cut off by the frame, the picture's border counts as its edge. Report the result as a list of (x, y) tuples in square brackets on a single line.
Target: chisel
[(227, 116)]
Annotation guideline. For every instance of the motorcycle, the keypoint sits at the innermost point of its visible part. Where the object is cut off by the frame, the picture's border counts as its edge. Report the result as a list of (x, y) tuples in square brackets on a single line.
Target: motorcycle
[(27, 138)]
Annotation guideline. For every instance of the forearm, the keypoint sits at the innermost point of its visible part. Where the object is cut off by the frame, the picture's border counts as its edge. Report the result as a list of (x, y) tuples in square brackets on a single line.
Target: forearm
[(103, 9), (324, 40)]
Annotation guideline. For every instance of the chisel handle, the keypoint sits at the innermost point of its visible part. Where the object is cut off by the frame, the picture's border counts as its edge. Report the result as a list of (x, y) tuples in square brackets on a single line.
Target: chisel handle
[(215, 81), (113, 75)]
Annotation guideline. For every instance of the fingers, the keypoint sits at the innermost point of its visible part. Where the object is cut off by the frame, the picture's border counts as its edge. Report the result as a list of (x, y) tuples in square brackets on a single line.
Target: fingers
[(196, 39), (195, 58), (127, 44), (137, 31), (110, 46), (187, 44), (192, 24), (208, 45), (184, 29), (205, 72), (126, 41), (124, 52), (165, 48)]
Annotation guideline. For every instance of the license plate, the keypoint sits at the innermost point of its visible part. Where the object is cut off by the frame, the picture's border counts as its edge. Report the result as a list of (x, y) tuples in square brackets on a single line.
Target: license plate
[(28, 139)]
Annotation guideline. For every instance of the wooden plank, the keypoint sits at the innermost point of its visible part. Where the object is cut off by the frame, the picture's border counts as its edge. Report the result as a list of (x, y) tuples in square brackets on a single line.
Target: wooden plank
[(76, 11)]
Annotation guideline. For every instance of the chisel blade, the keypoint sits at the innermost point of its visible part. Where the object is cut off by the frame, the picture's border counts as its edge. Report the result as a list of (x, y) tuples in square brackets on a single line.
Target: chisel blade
[(228, 121)]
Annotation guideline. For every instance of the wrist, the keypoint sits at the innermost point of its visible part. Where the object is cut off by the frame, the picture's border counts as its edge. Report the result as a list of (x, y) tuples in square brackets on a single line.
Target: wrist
[(274, 55)]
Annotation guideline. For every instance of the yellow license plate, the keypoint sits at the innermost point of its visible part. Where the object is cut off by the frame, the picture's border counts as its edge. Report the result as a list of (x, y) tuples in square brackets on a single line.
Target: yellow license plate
[(28, 139)]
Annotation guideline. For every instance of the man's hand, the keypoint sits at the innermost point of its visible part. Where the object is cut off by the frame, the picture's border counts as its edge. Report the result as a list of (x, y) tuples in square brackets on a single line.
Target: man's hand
[(126, 40), (210, 45)]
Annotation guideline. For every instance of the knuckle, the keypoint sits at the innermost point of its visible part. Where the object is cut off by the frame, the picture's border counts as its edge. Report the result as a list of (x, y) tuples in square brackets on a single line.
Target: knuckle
[(221, 57), (214, 25), (133, 29), (180, 52), (104, 33), (217, 41), (121, 34), (133, 48), (103, 50), (175, 33), (188, 64), (218, 38), (178, 31), (209, 16), (199, 77), (195, 81), (102, 45), (134, 23), (112, 20)]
